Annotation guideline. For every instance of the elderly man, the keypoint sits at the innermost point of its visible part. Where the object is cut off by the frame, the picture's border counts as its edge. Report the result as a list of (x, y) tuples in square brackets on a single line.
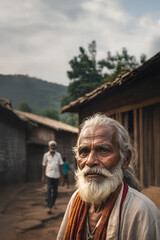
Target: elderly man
[(52, 169), (107, 204)]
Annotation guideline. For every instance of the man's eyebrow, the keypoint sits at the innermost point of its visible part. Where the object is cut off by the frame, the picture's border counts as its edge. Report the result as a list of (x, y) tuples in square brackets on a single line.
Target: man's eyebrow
[(82, 147)]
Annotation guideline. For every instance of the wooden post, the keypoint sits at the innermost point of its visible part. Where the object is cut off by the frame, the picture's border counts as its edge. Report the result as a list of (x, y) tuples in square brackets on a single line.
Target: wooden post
[(141, 147), (135, 135), (156, 132), (135, 128)]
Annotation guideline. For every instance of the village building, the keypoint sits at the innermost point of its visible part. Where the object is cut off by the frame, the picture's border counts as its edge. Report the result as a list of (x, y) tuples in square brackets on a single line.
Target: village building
[(12, 145), (39, 132), (134, 100), (24, 139)]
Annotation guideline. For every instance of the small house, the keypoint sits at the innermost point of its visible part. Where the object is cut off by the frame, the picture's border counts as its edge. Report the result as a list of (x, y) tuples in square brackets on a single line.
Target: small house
[(24, 139)]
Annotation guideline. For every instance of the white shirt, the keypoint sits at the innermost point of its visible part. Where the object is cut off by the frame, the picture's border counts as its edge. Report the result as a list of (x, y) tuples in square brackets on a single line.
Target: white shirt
[(52, 164)]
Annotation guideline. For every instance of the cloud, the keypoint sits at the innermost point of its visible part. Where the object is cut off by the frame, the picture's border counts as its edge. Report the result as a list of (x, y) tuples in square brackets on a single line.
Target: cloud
[(106, 11), (154, 45), (39, 37)]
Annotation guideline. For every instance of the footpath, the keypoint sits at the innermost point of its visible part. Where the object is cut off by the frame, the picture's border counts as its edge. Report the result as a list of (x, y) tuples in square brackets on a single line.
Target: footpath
[(23, 212)]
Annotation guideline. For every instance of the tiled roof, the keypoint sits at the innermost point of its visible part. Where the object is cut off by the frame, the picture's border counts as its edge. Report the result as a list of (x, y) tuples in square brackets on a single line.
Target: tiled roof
[(126, 78), (57, 125), (36, 119)]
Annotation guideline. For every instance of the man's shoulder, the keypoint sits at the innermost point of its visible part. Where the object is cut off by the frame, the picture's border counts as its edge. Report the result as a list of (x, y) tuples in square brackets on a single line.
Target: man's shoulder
[(139, 202), (73, 197), (57, 153), (139, 196), (46, 153)]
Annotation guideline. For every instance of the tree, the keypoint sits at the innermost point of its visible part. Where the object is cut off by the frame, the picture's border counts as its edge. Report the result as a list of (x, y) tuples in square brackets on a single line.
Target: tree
[(66, 100), (83, 68), (51, 113), (119, 64), (70, 118), (24, 107), (86, 74)]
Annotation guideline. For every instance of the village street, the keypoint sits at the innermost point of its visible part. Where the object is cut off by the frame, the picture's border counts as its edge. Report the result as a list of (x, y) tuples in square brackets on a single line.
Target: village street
[(23, 212)]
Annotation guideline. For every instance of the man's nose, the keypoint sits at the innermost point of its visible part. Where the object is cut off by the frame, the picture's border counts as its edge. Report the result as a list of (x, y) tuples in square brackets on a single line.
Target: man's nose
[(92, 159)]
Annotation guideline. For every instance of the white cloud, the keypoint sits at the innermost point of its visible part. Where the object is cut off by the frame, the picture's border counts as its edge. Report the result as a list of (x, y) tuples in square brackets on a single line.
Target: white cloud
[(106, 10), (39, 38)]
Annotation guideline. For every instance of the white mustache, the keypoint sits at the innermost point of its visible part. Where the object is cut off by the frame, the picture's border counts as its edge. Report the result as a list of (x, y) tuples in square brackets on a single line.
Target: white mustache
[(97, 170)]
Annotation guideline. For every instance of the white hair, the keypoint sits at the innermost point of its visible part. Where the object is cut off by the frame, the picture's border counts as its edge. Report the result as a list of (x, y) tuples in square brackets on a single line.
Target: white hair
[(123, 139), (52, 142)]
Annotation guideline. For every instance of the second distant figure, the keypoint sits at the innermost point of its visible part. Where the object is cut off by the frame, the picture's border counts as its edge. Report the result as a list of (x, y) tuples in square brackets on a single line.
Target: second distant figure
[(66, 168), (51, 171)]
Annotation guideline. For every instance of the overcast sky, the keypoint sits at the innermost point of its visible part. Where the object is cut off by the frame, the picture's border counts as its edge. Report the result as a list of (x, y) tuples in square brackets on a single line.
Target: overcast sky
[(40, 37)]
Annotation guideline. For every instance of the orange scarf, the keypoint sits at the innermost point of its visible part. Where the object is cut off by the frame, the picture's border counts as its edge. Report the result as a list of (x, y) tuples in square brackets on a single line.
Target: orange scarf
[(76, 227)]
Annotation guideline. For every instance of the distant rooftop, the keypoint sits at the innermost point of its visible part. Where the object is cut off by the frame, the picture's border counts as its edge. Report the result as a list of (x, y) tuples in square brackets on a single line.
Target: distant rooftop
[(57, 125), (25, 116)]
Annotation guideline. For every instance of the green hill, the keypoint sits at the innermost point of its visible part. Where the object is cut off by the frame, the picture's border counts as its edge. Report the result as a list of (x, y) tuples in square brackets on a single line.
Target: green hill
[(38, 94)]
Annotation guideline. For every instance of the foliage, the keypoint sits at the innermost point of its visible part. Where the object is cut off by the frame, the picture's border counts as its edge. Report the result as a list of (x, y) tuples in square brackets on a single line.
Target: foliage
[(143, 58), (119, 64), (24, 107), (51, 113), (66, 100), (86, 74), (83, 68), (70, 118), (38, 94)]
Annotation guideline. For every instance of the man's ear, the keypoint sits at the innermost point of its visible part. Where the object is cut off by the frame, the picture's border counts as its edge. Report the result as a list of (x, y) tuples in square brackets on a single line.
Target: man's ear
[(127, 160)]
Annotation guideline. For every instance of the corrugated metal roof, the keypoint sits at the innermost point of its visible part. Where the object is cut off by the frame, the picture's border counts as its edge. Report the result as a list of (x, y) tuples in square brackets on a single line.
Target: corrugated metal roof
[(57, 125), (126, 78)]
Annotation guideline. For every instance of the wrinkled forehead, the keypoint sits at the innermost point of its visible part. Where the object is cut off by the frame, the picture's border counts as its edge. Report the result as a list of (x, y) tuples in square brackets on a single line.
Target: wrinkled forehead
[(102, 133)]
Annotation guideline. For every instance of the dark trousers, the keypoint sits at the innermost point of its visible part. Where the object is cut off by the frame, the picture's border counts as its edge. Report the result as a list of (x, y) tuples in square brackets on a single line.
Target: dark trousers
[(66, 179), (52, 188)]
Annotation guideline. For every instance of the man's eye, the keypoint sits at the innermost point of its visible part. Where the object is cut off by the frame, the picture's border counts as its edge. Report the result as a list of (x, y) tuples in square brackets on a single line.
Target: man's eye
[(83, 152), (102, 149)]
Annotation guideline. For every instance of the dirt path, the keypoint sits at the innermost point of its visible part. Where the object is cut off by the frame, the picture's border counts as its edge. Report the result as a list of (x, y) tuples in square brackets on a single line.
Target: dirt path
[(23, 212), (25, 217)]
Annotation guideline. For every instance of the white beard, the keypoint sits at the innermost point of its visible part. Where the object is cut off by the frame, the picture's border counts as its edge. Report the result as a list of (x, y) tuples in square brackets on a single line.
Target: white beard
[(96, 192)]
